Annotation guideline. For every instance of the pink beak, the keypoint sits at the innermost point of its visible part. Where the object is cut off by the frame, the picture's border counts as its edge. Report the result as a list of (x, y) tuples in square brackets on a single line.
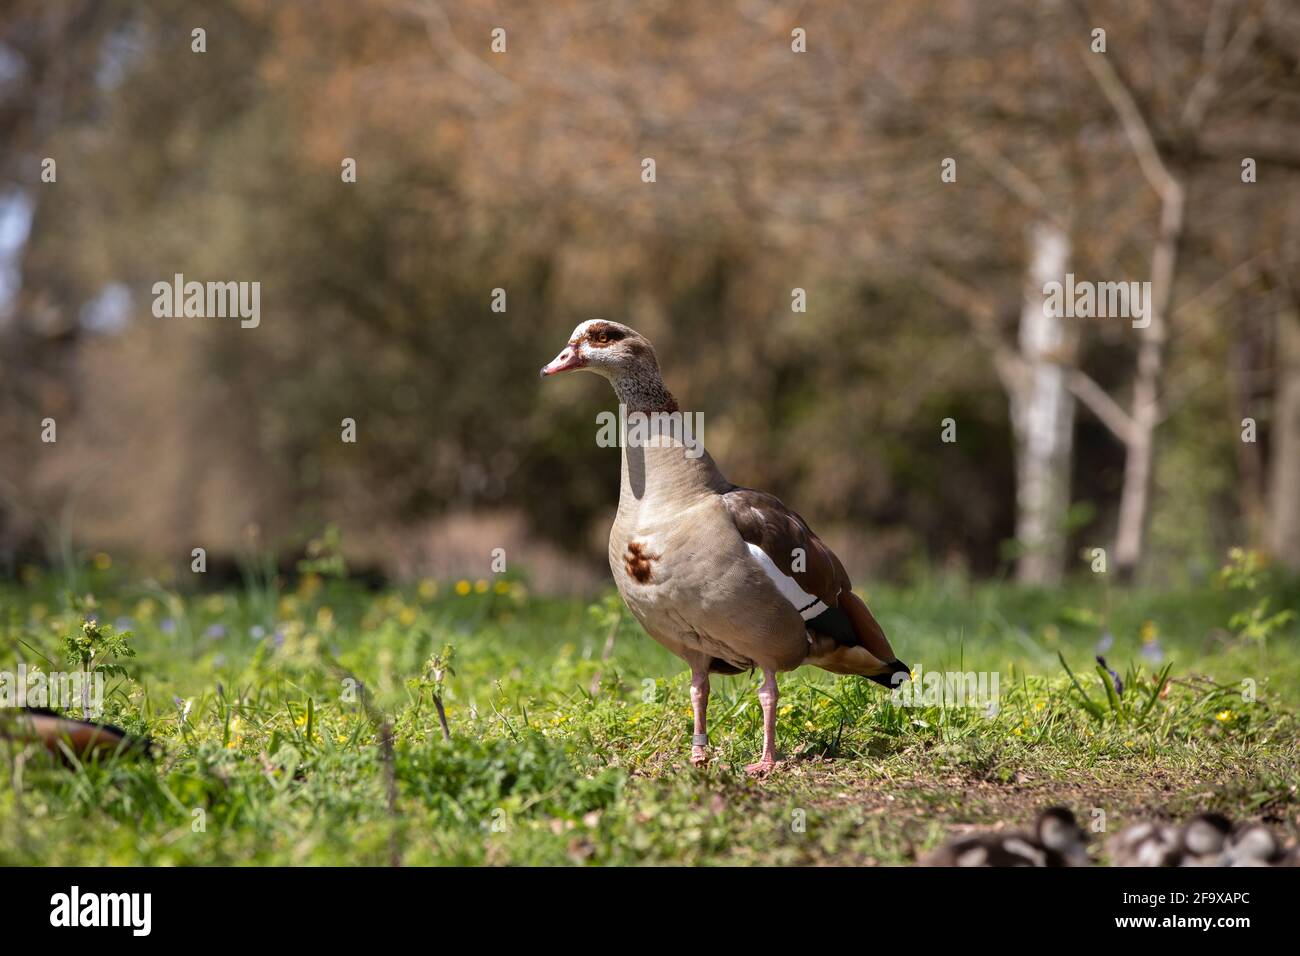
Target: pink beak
[(566, 361)]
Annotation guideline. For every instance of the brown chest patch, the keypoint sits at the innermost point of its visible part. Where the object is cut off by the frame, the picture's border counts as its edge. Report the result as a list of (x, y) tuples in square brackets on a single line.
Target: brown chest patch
[(638, 561)]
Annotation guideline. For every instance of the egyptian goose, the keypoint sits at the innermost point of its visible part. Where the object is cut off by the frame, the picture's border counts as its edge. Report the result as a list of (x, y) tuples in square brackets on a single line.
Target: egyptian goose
[(725, 577), (1057, 840)]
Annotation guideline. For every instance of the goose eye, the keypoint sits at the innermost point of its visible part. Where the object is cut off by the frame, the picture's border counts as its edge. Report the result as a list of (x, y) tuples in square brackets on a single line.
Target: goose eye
[(602, 337)]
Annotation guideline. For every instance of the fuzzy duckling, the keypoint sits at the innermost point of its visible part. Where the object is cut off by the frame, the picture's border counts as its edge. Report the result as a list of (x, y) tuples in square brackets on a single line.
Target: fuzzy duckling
[(1145, 844), (1057, 840), (1253, 844), (1203, 840)]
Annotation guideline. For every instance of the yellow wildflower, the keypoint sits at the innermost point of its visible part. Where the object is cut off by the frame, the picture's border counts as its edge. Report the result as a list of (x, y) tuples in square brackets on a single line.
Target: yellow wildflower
[(462, 587)]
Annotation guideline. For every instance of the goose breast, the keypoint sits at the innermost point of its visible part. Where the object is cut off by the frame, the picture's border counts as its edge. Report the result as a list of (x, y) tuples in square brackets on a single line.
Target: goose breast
[(695, 586)]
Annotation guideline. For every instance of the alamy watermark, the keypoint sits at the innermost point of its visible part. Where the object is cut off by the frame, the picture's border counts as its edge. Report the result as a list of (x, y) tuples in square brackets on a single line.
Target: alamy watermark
[(651, 430), (973, 689), (33, 687), (1099, 300), (208, 300), (133, 911)]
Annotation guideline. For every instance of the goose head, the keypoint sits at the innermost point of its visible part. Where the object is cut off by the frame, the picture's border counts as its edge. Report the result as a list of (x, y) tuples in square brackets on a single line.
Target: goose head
[(623, 357), (609, 349)]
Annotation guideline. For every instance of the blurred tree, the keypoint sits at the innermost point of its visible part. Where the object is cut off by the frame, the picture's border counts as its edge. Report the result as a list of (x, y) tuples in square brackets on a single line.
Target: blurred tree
[(521, 171)]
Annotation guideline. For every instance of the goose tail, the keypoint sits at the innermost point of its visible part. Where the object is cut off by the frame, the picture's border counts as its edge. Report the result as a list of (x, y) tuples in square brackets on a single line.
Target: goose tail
[(848, 640)]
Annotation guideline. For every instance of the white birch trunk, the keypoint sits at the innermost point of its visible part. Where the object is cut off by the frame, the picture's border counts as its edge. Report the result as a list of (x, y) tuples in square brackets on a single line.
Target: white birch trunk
[(1139, 458), (1284, 479), (1042, 415)]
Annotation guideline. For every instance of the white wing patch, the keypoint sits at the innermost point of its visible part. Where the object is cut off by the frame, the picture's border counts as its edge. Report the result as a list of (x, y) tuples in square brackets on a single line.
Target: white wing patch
[(806, 604), (1022, 849)]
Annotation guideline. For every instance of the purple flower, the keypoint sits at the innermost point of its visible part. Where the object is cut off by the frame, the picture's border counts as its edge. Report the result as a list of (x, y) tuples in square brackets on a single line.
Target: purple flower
[(1105, 643), (1119, 684), (257, 632), (167, 625), (1153, 652), (215, 631)]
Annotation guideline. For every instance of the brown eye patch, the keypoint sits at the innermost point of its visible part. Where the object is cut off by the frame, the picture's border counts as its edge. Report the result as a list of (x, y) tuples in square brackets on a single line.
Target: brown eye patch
[(603, 335)]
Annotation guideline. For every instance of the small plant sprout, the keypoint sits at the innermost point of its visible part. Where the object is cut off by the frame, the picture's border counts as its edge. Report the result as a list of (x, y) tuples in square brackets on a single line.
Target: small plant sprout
[(607, 616), (93, 649), (1253, 624), (325, 555), (435, 677), (1127, 700)]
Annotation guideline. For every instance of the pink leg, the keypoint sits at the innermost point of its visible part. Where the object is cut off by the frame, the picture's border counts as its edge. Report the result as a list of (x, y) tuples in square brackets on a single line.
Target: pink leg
[(767, 696), (700, 704)]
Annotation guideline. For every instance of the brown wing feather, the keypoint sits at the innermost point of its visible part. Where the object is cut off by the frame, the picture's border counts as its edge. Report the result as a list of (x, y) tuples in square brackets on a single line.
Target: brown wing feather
[(870, 633), (763, 520)]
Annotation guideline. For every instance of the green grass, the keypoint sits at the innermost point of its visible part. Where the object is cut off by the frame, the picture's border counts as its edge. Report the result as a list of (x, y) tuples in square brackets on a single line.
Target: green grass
[(560, 756)]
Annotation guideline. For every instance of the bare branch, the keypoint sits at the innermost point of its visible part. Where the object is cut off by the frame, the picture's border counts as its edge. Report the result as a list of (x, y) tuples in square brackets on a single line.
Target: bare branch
[(997, 165), (1134, 123), (438, 27), (1207, 85), (984, 323), (1099, 402)]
